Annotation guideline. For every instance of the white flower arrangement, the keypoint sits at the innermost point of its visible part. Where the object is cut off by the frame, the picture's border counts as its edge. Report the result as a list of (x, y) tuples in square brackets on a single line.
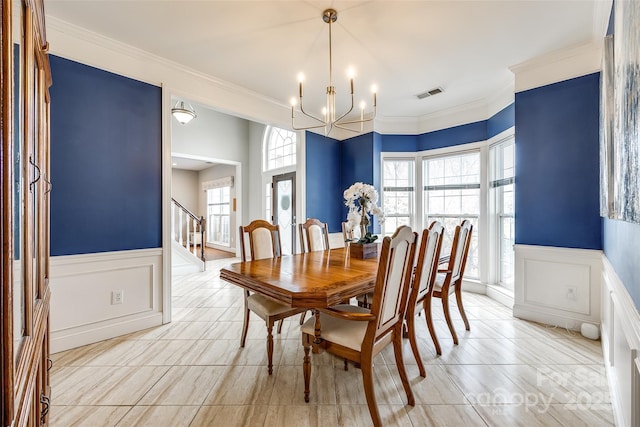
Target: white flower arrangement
[(362, 199)]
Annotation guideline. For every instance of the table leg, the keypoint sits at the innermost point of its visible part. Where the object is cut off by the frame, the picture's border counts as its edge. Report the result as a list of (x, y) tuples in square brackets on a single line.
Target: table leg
[(318, 339)]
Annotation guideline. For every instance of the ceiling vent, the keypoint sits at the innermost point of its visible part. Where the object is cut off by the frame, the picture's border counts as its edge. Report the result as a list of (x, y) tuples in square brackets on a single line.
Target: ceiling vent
[(430, 93)]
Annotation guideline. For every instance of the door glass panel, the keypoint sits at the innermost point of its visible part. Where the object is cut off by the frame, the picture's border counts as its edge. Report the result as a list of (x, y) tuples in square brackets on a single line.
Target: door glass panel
[(17, 184), (284, 210), (285, 215)]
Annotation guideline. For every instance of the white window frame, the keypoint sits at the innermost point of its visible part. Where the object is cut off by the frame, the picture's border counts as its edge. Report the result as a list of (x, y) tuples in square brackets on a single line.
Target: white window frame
[(475, 151), (487, 271), (210, 223), (495, 230), (412, 201), (266, 148)]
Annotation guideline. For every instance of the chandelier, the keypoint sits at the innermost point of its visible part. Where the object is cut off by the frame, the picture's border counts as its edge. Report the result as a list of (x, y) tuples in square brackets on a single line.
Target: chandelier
[(330, 118)]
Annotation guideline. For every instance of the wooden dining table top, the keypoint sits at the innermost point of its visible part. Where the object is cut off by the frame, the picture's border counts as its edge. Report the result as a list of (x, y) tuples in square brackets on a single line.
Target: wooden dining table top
[(311, 280)]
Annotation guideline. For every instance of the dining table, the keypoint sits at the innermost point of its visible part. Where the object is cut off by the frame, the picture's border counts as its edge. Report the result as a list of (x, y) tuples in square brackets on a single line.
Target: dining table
[(313, 280)]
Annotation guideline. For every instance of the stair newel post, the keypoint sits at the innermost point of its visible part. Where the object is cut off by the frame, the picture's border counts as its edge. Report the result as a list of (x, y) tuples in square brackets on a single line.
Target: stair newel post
[(202, 226)]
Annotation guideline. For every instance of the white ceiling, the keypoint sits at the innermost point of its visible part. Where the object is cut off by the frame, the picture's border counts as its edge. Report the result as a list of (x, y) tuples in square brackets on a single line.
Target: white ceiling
[(405, 47), (190, 163)]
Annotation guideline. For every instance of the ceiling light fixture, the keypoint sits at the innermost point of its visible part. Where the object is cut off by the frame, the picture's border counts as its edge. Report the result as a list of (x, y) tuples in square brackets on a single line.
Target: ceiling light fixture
[(329, 120), (184, 113)]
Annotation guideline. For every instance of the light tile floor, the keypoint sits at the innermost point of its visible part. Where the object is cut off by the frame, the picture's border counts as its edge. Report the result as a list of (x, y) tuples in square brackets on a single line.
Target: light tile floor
[(192, 372)]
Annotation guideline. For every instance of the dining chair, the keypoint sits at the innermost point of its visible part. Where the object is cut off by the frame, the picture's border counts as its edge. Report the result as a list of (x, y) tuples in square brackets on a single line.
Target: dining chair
[(264, 242), (358, 334), (349, 235), (314, 235), (422, 287), (449, 280)]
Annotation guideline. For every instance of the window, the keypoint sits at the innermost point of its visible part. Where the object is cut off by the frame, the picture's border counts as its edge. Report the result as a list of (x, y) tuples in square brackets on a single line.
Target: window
[(502, 193), (398, 194), (451, 195), (280, 148), (218, 202)]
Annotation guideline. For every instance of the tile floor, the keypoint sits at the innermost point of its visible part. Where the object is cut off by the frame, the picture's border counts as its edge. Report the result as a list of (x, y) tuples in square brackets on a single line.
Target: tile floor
[(191, 372)]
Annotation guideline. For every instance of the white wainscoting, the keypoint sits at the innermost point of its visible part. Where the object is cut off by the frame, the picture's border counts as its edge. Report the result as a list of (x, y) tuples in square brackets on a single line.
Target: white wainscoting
[(620, 332), (81, 292), (544, 277)]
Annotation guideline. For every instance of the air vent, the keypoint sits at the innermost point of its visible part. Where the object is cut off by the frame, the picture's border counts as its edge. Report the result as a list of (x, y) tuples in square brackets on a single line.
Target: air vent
[(430, 93)]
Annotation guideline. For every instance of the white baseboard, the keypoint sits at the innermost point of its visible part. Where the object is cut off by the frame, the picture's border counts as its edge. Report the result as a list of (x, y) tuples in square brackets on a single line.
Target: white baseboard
[(557, 286), (82, 311), (88, 334), (501, 295), (620, 330)]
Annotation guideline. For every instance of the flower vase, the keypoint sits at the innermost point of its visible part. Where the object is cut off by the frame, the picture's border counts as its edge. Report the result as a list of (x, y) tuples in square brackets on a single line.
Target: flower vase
[(363, 250)]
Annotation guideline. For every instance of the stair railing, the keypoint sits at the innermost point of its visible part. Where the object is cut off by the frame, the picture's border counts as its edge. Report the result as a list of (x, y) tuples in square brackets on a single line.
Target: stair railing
[(188, 229)]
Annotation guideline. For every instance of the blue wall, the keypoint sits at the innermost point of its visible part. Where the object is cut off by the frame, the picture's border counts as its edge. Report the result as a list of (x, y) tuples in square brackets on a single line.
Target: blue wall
[(324, 187), (106, 152), (399, 143), (501, 121), (557, 165), (457, 135)]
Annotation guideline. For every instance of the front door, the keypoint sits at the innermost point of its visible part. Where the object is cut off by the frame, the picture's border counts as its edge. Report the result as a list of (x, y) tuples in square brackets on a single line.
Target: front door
[(284, 210)]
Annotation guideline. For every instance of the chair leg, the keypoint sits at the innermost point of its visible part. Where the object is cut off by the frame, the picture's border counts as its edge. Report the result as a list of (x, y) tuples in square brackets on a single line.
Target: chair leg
[(411, 326), (280, 326), (447, 315), (461, 307), (429, 319), (367, 378), (306, 365), (302, 317), (245, 326), (270, 346), (397, 351)]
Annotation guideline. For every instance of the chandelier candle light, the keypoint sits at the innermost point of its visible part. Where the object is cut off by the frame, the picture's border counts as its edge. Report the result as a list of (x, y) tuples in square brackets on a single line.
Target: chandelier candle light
[(362, 199), (329, 120)]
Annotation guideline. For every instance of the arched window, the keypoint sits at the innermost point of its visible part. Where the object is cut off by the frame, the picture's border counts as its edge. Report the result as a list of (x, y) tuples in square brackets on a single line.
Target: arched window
[(280, 148)]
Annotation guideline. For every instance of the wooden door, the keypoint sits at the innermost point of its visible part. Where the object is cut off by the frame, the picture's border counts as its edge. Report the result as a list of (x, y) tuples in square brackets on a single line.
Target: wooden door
[(24, 355)]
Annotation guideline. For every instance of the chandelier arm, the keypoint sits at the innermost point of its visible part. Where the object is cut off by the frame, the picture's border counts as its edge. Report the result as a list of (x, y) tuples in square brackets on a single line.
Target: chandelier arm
[(346, 128), (293, 126), (324, 123), (348, 111), (351, 122)]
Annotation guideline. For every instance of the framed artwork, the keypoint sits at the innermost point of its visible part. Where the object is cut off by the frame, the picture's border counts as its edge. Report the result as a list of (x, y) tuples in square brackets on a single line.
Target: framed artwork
[(626, 146)]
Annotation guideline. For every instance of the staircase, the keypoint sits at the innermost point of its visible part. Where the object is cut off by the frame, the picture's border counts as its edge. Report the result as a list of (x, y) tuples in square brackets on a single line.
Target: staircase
[(187, 246)]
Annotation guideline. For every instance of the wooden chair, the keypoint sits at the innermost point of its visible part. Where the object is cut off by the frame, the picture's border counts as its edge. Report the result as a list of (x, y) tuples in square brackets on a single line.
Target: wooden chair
[(314, 236), (359, 334), (348, 236), (264, 242), (422, 287), (449, 280)]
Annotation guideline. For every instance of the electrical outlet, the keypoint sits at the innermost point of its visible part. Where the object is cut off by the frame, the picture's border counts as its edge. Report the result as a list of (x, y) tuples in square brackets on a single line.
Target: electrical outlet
[(117, 297), (572, 293)]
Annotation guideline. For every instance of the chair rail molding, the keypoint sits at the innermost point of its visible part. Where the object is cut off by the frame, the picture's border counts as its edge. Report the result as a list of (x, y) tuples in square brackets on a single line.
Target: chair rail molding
[(557, 286), (620, 330), (84, 288)]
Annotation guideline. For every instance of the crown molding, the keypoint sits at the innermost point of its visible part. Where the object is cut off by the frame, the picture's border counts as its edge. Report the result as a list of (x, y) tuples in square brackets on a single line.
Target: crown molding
[(94, 49), (559, 65)]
